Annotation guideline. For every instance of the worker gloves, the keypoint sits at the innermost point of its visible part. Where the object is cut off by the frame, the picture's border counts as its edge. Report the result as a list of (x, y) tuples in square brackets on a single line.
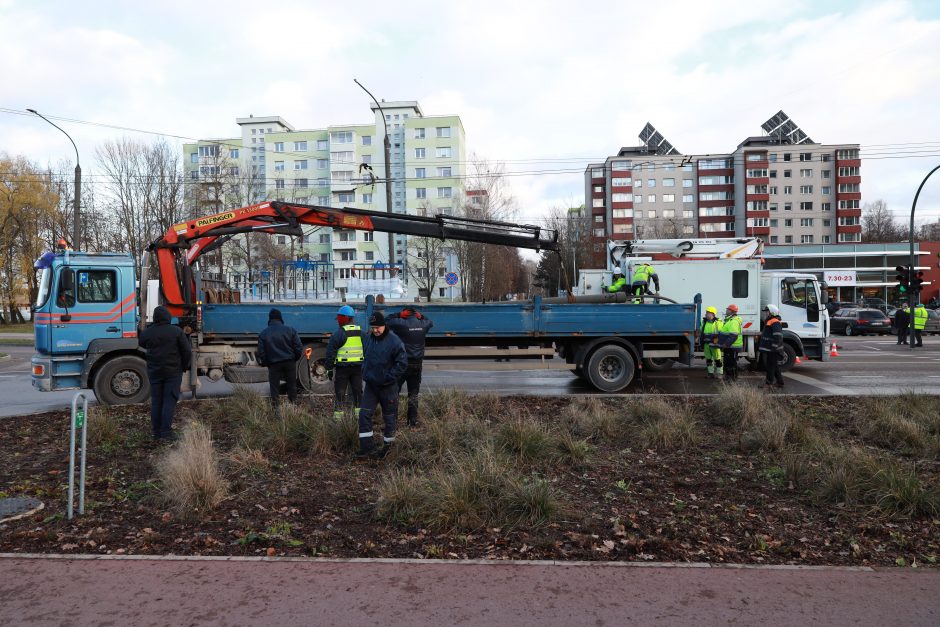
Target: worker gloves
[(329, 375)]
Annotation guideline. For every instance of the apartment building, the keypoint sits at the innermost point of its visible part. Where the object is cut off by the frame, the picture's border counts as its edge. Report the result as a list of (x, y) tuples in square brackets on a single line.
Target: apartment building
[(339, 166), (781, 187)]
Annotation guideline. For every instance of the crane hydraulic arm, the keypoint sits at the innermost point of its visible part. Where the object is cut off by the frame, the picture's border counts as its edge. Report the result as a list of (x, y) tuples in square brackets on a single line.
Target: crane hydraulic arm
[(184, 243)]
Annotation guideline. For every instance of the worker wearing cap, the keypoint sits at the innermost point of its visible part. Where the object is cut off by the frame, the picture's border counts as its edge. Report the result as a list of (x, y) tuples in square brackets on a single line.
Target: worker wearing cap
[(619, 283), (731, 338), (384, 363), (411, 327), (771, 345), (344, 361), (920, 323), (643, 274), (711, 327), (279, 348)]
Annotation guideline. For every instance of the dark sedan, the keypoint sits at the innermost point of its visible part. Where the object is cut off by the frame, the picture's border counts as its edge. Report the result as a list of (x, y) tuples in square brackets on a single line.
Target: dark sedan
[(854, 321)]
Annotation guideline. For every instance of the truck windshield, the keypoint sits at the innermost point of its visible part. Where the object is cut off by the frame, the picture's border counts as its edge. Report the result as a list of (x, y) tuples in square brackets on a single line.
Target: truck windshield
[(45, 286)]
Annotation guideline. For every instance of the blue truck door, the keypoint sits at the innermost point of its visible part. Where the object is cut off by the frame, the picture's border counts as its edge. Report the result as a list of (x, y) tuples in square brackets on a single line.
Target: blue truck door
[(88, 311)]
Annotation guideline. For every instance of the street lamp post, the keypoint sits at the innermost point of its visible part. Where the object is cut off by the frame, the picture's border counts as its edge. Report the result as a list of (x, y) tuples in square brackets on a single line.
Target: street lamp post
[(388, 172), (76, 224), (912, 294)]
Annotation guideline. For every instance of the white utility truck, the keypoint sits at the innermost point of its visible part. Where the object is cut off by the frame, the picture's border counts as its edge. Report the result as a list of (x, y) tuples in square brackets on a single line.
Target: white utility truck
[(725, 271)]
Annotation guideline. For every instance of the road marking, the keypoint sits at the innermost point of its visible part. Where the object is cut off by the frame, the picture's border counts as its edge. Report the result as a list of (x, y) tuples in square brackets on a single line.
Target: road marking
[(822, 385), (862, 376)]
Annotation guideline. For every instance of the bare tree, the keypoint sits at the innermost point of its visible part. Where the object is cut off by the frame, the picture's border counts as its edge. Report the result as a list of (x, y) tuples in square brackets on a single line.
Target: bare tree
[(557, 271), (880, 225), (427, 262)]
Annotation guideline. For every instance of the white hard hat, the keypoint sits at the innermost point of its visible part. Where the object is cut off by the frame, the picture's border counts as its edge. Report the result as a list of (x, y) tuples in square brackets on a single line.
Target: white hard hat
[(773, 309)]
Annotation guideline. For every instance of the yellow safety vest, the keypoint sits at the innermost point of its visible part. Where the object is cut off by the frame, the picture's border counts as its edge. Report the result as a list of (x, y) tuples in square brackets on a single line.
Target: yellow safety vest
[(617, 285), (732, 326), (710, 330), (920, 318), (643, 273), (351, 351)]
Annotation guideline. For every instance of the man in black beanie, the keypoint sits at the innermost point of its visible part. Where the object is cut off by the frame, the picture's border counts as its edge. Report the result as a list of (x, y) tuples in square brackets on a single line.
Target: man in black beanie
[(385, 362), (279, 348)]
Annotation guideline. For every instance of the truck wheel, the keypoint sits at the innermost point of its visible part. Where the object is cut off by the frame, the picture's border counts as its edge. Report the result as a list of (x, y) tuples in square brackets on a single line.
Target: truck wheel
[(658, 364), (311, 375), (122, 381), (788, 359), (610, 368)]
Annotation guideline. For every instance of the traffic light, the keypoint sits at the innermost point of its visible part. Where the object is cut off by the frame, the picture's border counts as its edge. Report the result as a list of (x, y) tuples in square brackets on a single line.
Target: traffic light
[(917, 279), (903, 278)]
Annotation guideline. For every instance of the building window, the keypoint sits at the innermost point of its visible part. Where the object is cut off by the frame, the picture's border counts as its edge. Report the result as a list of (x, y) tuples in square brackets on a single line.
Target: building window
[(826, 174), (300, 183), (621, 228), (323, 164), (341, 137), (323, 144), (787, 190), (279, 184), (637, 199), (686, 182), (368, 236), (651, 182), (367, 199), (300, 165), (849, 188), (278, 166), (419, 133), (827, 223), (443, 152), (420, 153), (598, 232), (787, 174), (847, 154), (688, 198), (599, 219), (233, 153), (651, 198), (826, 206), (772, 189), (367, 140), (669, 182), (787, 156), (773, 223), (688, 213), (651, 213), (669, 198), (444, 171), (278, 146), (806, 239), (788, 222), (620, 166), (623, 213), (638, 183), (806, 189), (346, 197), (772, 206), (850, 237), (421, 192), (756, 173), (669, 213), (444, 192), (806, 173), (621, 182), (597, 202), (300, 145), (367, 158), (826, 239), (806, 206), (194, 157), (773, 174), (208, 151), (806, 222), (806, 156), (849, 172), (773, 239), (618, 198), (772, 157), (443, 131), (419, 173)]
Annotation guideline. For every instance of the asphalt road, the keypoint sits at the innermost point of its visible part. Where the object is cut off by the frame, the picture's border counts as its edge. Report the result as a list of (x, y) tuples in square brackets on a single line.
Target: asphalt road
[(866, 365), (173, 591)]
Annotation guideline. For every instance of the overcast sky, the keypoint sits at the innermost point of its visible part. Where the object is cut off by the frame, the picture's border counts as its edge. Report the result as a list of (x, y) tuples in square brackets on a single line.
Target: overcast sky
[(543, 86)]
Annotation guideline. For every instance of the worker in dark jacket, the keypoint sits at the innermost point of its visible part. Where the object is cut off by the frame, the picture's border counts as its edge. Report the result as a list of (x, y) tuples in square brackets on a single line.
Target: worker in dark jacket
[(344, 361), (279, 348), (771, 345), (411, 326), (385, 362), (902, 319), (168, 356)]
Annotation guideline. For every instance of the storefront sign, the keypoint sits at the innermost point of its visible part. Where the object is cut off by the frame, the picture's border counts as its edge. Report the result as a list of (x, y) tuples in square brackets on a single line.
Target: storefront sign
[(841, 277)]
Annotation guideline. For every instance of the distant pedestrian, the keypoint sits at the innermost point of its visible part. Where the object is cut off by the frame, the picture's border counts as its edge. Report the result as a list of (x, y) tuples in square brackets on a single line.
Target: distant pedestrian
[(711, 327), (731, 338), (385, 363), (920, 323), (344, 361), (902, 318), (411, 327), (279, 348), (771, 345), (168, 355)]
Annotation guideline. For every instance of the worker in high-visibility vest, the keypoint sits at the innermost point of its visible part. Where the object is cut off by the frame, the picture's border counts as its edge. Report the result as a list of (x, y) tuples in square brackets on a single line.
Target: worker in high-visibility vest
[(619, 283), (920, 322), (711, 327), (344, 361), (643, 275), (731, 339)]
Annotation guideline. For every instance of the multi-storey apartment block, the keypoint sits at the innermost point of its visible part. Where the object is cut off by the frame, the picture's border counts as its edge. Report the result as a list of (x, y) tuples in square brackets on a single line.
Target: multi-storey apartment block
[(781, 187), (340, 166)]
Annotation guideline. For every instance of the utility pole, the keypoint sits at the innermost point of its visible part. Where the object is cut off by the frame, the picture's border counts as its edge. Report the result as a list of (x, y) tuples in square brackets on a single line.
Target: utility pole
[(913, 295), (388, 172), (76, 224)]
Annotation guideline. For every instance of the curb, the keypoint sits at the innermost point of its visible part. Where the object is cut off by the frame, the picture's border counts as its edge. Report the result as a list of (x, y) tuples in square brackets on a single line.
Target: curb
[(436, 562)]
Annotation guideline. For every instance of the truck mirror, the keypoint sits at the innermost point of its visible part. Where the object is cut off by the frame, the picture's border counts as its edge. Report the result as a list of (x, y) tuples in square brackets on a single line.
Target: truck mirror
[(823, 294), (67, 279)]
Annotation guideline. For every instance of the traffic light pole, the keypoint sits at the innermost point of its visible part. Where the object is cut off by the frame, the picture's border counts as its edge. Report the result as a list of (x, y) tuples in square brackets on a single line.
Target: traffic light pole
[(912, 295)]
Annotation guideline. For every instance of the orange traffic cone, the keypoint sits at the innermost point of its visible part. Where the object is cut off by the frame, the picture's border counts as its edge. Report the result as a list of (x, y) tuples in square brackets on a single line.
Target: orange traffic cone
[(833, 352), (797, 362)]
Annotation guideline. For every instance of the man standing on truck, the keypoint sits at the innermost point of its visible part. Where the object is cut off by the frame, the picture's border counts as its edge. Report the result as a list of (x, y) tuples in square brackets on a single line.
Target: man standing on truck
[(732, 341), (640, 283), (344, 361), (619, 283), (412, 327), (279, 348), (384, 364), (711, 327), (168, 356), (771, 345)]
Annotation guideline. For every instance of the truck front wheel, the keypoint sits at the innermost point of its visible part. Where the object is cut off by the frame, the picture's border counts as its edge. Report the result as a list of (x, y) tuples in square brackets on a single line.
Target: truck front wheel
[(122, 381), (787, 359), (610, 368)]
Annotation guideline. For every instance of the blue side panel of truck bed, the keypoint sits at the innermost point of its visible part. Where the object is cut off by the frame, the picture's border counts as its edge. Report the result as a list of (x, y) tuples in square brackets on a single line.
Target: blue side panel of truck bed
[(490, 320)]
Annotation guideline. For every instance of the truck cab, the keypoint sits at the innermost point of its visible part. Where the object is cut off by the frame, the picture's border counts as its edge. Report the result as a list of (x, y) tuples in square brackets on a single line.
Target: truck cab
[(85, 318)]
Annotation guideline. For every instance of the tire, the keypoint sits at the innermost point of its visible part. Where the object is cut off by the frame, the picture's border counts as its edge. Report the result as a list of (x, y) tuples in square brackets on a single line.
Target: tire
[(610, 368), (788, 359), (658, 364), (122, 381), (311, 375), (847, 330)]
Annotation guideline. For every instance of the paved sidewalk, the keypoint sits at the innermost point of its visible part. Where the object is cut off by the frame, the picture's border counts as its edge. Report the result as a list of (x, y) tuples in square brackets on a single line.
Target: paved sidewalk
[(174, 591)]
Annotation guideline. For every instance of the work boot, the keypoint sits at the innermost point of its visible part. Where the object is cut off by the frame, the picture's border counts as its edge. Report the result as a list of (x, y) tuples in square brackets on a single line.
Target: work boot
[(364, 454)]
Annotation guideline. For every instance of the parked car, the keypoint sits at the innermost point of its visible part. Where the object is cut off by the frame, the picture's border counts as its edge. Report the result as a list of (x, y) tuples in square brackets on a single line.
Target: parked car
[(835, 305), (855, 321)]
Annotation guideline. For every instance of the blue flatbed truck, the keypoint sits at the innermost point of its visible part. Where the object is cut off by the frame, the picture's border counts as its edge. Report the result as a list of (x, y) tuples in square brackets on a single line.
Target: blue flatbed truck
[(89, 311)]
